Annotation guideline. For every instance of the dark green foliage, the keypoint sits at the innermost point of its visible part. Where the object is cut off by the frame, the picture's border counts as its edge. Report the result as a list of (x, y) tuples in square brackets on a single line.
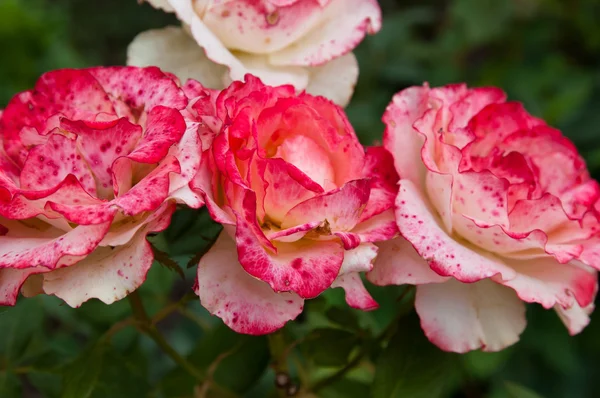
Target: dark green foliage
[(545, 53)]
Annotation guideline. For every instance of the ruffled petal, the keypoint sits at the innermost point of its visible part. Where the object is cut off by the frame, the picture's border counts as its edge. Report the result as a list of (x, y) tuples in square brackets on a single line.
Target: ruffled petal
[(335, 79), (247, 305), (48, 164), (379, 167), (359, 259), (26, 246), (462, 317), (398, 263), (549, 283), (446, 256), (341, 208), (11, 280), (306, 267), (108, 273), (100, 144), (401, 138), (342, 26), (164, 128), (173, 50), (575, 318)]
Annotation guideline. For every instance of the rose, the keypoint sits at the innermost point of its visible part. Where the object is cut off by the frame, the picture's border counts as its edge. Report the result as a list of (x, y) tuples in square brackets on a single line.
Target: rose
[(93, 160), (298, 196), (306, 43), (496, 208)]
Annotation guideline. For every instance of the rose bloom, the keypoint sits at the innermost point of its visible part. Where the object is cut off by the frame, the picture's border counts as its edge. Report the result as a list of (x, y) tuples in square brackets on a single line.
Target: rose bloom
[(300, 201), (497, 209), (306, 43), (92, 161)]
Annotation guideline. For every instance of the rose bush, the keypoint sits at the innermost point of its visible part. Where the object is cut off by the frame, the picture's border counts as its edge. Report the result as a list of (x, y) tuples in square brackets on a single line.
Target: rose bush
[(306, 43), (92, 161), (300, 200), (497, 208)]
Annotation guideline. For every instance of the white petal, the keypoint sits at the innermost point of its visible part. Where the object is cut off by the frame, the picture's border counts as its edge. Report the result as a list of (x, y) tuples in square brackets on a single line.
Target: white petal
[(161, 4), (399, 263), (334, 80), (461, 317), (575, 318), (246, 304), (173, 50), (106, 274)]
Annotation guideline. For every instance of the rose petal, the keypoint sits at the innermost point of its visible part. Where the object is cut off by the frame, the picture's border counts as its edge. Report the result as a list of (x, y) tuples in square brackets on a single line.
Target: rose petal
[(356, 295), (575, 318), (100, 144), (401, 138), (164, 127), (309, 157), (162, 4), (174, 50), (140, 89), (547, 282), (305, 267), (285, 186), (24, 246), (335, 79), (462, 317), (378, 228), (447, 257), (245, 304), (341, 208), (108, 273), (47, 165), (342, 26), (11, 280), (379, 166), (398, 263)]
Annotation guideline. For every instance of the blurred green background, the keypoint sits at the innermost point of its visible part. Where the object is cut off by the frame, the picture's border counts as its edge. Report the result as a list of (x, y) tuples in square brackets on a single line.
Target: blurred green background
[(545, 53)]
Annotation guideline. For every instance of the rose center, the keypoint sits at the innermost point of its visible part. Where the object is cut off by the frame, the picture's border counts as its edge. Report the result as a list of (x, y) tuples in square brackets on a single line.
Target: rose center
[(309, 157)]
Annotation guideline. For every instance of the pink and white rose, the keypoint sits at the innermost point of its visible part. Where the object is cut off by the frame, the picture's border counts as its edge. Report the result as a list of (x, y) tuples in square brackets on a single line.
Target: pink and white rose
[(496, 209), (92, 161), (306, 43), (300, 199)]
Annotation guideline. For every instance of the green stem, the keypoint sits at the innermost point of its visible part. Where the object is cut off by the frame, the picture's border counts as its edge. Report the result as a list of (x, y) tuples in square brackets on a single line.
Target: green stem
[(386, 334), (146, 326), (340, 373)]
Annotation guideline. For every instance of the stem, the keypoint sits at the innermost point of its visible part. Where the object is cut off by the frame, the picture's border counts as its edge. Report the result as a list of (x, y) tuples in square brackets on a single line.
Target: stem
[(176, 306), (146, 326), (340, 373), (278, 351), (386, 334)]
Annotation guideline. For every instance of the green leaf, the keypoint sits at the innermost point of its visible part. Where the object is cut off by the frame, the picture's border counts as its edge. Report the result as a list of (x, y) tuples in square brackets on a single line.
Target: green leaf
[(246, 364), (81, 375), (19, 325), (237, 360), (10, 385), (345, 388), (122, 375), (48, 384), (330, 347), (343, 317), (485, 364), (411, 366), (517, 391), (163, 259)]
